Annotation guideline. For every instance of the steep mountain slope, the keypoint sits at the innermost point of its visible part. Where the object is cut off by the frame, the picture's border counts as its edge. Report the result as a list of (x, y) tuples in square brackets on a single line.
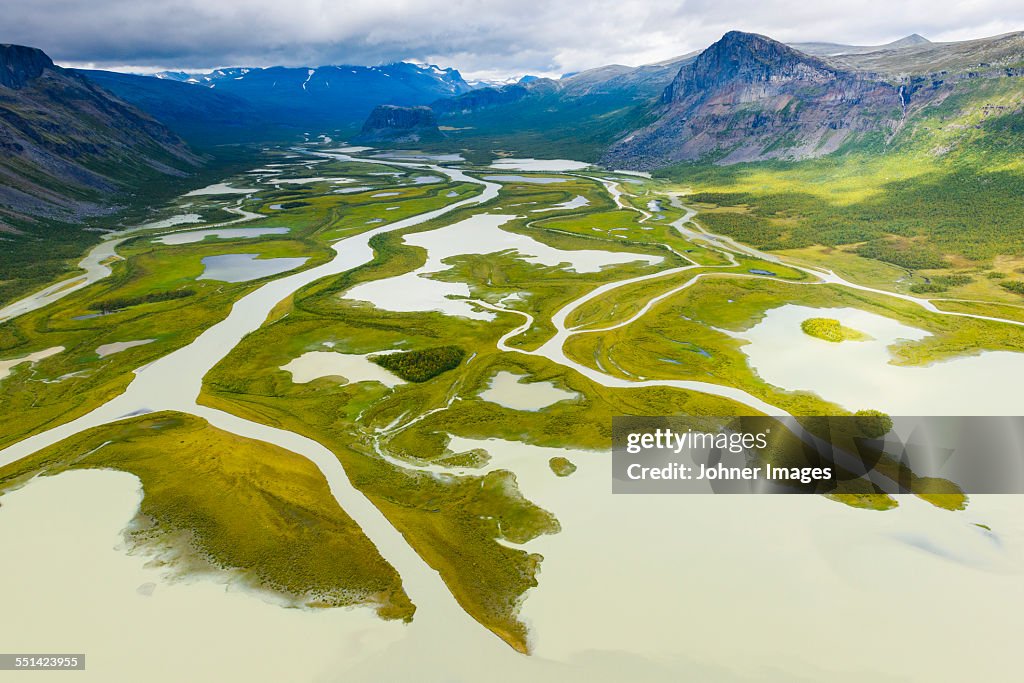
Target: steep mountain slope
[(67, 145), (749, 97), (835, 49), (203, 116), (69, 152)]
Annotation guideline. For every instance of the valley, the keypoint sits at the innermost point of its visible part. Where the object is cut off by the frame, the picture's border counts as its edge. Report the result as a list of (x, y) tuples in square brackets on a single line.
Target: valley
[(325, 360), (606, 287)]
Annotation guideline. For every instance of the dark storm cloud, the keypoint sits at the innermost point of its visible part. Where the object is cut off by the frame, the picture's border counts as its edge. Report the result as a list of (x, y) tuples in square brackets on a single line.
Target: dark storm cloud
[(478, 37)]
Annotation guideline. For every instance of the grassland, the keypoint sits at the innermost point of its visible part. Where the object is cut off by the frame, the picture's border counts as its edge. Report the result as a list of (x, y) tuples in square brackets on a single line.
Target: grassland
[(831, 330), (214, 501)]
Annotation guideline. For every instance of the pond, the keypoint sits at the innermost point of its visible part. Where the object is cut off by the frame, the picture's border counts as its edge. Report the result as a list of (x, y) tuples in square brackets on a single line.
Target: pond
[(508, 389), (352, 367), (105, 350), (244, 267), (575, 203)]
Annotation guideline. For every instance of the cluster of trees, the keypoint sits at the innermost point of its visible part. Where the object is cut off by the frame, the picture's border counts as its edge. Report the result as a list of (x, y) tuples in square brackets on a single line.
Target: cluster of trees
[(116, 304), (918, 257), (960, 210), (419, 366), (942, 283), (1015, 286)]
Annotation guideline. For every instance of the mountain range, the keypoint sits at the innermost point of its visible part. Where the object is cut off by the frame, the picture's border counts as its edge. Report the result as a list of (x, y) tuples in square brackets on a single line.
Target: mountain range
[(72, 137), (277, 102)]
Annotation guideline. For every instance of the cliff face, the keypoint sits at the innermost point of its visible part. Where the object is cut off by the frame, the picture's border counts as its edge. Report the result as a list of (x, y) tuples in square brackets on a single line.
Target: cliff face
[(391, 123), (20, 64), (748, 97)]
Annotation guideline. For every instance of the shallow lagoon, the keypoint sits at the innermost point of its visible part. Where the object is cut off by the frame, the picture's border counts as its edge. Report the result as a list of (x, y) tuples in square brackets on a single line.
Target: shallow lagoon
[(858, 375), (353, 367), (63, 546), (507, 389), (479, 234), (244, 267)]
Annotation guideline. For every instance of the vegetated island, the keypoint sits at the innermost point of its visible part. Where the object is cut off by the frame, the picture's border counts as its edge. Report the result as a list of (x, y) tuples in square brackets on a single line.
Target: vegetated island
[(419, 366), (562, 467), (831, 330)]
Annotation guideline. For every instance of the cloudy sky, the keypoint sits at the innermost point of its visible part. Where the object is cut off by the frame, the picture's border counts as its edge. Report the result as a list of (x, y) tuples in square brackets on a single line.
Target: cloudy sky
[(483, 39)]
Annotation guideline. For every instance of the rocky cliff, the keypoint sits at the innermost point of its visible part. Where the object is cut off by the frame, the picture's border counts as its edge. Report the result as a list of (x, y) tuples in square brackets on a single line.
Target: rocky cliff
[(391, 123), (19, 65), (749, 97)]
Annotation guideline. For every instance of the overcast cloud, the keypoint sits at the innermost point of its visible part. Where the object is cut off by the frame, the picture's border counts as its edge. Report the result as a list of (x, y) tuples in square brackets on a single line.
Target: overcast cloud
[(482, 39)]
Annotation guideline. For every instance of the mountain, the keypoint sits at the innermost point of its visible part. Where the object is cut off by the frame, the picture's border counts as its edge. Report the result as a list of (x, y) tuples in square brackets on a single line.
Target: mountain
[(749, 97), (390, 123), (326, 97), (203, 116), (67, 146), (997, 56), (71, 153), (835, 49), (578, 114)]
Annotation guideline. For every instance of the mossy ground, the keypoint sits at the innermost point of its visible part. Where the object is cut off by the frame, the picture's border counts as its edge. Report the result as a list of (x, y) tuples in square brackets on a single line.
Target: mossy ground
[(216, 500), (831, 330)]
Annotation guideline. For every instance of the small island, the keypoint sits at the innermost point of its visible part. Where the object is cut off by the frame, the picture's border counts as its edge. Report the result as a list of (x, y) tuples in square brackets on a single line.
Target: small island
[(831, 330), (562, 467)]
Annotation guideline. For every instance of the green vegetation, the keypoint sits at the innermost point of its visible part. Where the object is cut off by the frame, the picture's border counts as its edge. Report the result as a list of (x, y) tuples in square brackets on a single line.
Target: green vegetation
[(216, 500), (40, 250), (935, 196), (926, 288), (831, 330), (111, 305), (940, 493), (562, 467), (873, 424), (1015, 286), (865, 501), (419, 366)]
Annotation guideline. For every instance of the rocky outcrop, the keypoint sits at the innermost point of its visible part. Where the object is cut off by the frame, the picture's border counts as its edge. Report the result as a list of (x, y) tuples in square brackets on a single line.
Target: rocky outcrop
[(20, 64), (748, 97), (391, 123)]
